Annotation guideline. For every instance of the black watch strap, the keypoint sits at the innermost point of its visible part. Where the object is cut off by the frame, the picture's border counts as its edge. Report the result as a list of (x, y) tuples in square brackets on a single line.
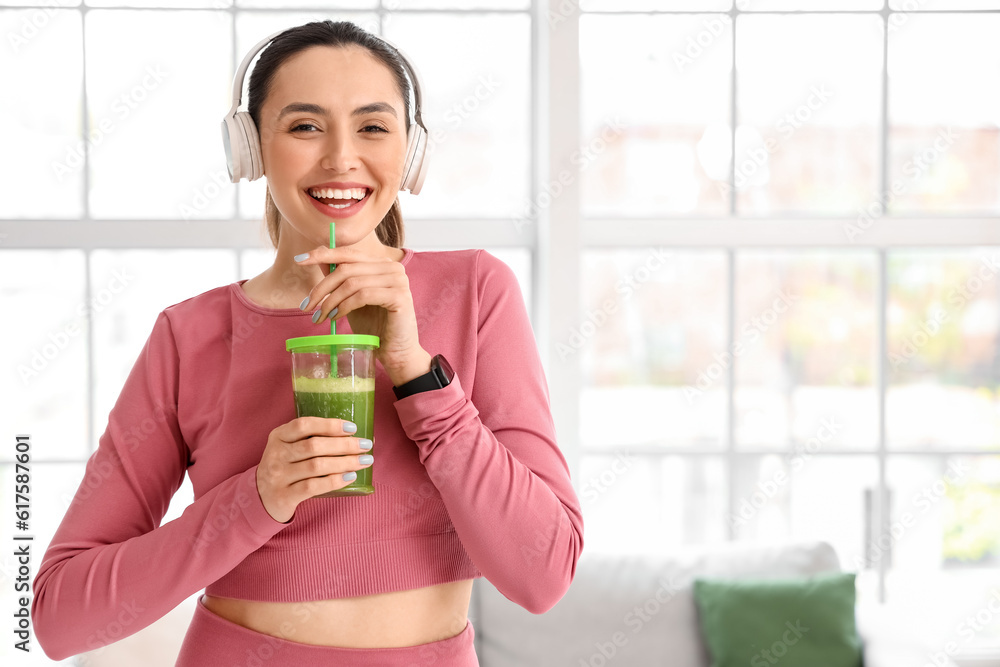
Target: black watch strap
[(438, 377)]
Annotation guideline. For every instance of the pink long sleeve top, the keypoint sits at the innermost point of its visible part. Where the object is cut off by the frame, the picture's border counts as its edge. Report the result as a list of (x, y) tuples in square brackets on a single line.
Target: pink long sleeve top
[(469, 480)]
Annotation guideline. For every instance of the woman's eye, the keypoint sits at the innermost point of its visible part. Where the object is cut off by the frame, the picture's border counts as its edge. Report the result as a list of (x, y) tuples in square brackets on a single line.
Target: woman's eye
[(368, 128)]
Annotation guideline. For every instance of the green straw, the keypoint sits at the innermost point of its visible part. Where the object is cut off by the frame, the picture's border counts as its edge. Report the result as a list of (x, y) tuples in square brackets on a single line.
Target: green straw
[(333, 244), (333, 322)]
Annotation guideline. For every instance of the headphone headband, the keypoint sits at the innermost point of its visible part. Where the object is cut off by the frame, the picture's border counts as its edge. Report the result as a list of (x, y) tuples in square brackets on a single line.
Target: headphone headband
[(259, 46), (242, 144)]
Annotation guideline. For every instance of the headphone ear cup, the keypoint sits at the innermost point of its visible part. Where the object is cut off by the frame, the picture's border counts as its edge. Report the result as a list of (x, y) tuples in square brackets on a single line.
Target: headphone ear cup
[(415, 167), (239, 137), (232, 136), (254, 164)]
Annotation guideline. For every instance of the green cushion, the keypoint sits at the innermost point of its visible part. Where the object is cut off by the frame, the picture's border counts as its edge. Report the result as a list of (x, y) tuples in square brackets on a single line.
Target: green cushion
[(792, 622)]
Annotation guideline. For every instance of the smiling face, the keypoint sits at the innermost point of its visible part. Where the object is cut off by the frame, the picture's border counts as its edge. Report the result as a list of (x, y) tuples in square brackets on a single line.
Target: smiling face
[(333, 115)]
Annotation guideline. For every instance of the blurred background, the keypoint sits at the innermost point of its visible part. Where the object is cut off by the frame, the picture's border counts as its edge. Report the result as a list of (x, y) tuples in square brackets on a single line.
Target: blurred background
[(759, 242)]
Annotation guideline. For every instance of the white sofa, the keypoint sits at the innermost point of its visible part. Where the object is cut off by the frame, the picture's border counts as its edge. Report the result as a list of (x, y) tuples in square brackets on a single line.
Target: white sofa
[(626, 611), (637, 611)]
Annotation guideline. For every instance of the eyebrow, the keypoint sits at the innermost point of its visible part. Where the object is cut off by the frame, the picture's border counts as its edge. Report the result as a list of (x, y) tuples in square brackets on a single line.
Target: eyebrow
[(305, 107)]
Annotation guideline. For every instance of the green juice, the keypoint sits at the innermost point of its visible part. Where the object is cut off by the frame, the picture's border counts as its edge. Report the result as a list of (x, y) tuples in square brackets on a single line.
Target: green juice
[(350, 398)]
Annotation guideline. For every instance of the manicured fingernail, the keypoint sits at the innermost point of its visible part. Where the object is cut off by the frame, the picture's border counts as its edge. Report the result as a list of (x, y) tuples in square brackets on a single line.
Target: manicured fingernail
[(350, 476), (365, 443), (316, 315), (365, 459), (350, 427), (332, 313), (305, 302), (299, 258)]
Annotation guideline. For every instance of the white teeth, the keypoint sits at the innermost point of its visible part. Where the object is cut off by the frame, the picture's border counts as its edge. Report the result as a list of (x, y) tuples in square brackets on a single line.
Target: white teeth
[(333, 193)]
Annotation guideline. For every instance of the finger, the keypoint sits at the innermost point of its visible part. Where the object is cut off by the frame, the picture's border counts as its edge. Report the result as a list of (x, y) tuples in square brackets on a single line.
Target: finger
[(322, 466), (301, 428), (326, 446), (327, 472), (336, 278), (343, 254), (314, 486), (388, 298)]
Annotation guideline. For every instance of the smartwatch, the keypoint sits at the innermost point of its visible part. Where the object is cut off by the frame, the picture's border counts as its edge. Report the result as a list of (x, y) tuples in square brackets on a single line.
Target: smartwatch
[(438, 377)]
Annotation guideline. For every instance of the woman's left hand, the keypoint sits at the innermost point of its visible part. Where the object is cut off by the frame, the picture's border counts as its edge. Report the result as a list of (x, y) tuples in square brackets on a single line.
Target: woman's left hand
[(374, 294)]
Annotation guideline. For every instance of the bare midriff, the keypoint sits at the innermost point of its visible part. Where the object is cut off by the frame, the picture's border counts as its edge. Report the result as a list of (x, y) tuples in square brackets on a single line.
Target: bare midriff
[(384, 620)]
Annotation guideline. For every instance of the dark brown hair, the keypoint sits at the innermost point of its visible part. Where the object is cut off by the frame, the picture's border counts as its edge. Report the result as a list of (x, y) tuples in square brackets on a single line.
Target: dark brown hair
[(326, 33)]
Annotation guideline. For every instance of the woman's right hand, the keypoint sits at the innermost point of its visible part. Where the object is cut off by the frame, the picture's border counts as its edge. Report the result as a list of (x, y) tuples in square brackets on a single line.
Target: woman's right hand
[(304, 458)]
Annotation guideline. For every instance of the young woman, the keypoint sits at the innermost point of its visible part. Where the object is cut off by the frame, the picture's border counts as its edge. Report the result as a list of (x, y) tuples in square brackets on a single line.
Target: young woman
[(469, 479)]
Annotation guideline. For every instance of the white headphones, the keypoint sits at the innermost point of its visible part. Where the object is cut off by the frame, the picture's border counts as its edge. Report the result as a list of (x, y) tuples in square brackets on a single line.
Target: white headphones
[(242, 143)]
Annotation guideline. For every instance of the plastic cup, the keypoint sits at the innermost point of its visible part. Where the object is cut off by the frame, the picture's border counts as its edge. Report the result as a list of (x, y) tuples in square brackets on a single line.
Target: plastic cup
[(334, 376)]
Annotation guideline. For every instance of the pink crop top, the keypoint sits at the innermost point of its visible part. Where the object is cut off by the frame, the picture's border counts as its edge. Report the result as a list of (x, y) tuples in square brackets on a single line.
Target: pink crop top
[(469, 479)]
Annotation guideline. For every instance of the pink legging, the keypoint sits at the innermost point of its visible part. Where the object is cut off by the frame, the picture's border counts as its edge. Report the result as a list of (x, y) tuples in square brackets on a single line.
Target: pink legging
[(213, 641)]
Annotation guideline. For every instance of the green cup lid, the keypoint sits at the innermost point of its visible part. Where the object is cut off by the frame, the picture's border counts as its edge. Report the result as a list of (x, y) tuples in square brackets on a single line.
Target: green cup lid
[(331, 339)]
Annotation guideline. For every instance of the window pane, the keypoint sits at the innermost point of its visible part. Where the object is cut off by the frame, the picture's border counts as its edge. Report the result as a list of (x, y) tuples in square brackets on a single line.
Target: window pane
[(40, 72), (651, 323), (805, 5), (393, 5), (36, 17), (162, 106), (808, 113), (944, 361), (641, 504), (804, 350), (477, 111), (131, 288), (251, 27), (318, 4), (944, 138), (654, 5), (923, 5), (944, 543), (44, 392), (167, 4), (641, 152), (804, 496)]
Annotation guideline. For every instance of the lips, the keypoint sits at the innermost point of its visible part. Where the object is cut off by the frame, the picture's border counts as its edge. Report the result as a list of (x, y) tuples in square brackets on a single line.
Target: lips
[(329, 207)]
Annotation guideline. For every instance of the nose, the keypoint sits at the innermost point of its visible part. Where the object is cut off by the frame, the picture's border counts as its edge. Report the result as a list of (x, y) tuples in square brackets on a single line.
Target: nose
[(340, 153)]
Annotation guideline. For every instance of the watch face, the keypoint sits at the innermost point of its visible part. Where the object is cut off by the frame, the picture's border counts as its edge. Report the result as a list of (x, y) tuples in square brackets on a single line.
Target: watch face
[(445, 372)]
